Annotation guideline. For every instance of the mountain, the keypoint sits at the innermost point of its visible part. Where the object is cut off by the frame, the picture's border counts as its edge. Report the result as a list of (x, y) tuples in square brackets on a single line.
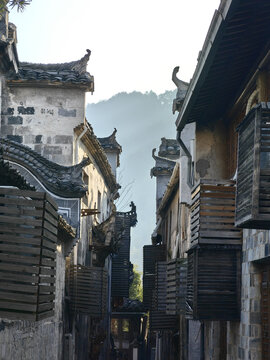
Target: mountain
[(141, 121)]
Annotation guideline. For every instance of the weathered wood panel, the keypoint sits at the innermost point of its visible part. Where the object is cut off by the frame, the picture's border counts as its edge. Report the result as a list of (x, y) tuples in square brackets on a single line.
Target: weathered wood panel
[(176, 286), (159, 319), (121, 267), (213, 213), (213, 283), (88, 290), (28, 236), (253, 185), (148, 288), (152, 254)]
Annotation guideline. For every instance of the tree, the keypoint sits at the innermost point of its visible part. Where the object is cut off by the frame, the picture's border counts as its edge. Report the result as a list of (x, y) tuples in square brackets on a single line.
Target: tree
[(135, 290), (19, 4)]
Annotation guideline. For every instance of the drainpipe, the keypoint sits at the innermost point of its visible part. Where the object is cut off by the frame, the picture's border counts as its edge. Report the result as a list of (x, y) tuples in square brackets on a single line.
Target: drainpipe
[(190, 180), (76, 145)]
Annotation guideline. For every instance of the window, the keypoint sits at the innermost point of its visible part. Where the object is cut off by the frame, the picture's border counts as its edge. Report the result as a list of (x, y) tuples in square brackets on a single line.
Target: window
[(86, 182), (114, 326)]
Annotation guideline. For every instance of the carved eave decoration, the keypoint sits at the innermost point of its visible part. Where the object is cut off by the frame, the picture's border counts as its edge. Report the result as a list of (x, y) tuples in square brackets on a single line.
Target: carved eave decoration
[(104, 233), (164, 166), (105, 240), (169, 149), (157, 170), (91, 142), (65, 231), (131, 215), (110, 145), (61, 75), (64, 181)]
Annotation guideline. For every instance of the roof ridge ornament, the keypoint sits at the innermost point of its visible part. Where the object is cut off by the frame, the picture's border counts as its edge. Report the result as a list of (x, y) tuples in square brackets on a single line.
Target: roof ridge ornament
[(181, 90), (80, 65)]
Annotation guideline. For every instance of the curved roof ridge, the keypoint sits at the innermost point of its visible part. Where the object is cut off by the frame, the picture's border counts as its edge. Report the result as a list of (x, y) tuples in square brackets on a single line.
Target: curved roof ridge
[(65, 181), (110, 142), (77, 65)]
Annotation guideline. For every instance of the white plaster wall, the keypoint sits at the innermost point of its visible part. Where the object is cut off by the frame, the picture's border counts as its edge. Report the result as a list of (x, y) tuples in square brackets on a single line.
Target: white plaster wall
[(211, 151), (96, 183), (187, 136), (172, 238), (161, 186), (44, 119), (112, 158)]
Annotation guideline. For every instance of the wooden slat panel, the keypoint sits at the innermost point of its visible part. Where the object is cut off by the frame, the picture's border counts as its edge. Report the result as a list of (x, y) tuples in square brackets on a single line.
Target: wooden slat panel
[(212, 220), (27, 265), (88, 290), (159, 319), (253, 186), (121, 267), (152, 254), (176, 286), (213, 283)]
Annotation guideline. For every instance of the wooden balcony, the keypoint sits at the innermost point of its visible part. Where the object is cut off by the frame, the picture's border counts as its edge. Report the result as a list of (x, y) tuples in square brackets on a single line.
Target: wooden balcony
[(28, 236), (214, 283), (253, 172), (213, 214), (88, 290), (176, 287)]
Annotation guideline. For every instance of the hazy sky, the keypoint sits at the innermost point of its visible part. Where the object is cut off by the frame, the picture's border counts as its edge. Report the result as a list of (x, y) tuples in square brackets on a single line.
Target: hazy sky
[(134, 44)]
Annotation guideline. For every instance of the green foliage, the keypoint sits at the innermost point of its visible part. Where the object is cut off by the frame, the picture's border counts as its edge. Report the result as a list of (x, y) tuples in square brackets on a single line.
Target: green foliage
[(135, 290), (19, 4)]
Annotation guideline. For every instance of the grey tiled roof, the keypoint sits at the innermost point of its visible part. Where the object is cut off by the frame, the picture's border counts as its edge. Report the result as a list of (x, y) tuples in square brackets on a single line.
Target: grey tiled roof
[(65, 181), (110, 143), (68, 73), (11, 177)]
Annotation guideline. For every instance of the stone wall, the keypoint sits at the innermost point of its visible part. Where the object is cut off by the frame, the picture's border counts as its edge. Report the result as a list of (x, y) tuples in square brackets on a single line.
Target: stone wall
[(245, 338), (25, 340), (212, 340)]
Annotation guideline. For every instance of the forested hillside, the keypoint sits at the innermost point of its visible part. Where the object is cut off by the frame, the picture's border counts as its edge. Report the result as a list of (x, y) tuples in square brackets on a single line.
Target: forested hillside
[(141, 120)]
